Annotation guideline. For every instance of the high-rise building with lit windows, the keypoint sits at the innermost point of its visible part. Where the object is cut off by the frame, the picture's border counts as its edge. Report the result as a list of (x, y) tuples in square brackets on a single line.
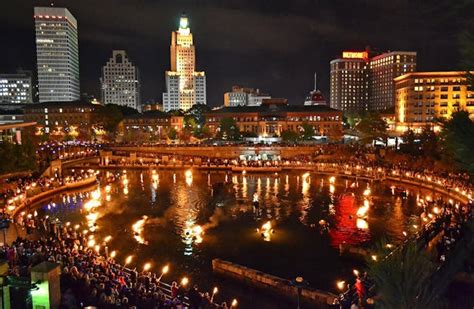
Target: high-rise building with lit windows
[(57, 54), (422, 98), (349, 80), (184, 86), (16, 88), (383, 69), (361, 83), (120, 81)]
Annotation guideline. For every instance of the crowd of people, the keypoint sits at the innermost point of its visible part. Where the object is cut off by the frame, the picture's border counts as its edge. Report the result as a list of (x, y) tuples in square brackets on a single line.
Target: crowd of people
[(90, 279), (448, 224)]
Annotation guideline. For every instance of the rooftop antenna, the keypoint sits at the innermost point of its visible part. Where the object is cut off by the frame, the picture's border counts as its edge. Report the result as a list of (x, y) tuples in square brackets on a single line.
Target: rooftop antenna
[(315, 81)]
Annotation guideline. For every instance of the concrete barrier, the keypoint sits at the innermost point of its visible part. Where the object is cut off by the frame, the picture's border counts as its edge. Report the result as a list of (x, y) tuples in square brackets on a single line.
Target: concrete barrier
[(272, 284), (47, 194)]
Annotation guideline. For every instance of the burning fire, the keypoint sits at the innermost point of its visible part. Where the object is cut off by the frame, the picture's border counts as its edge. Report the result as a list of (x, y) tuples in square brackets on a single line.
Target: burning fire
[(266, 231), (138, 229)]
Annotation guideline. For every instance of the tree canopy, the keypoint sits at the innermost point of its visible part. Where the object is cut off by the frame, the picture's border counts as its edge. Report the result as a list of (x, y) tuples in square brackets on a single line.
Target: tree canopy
[(372, 128), (457, 135)]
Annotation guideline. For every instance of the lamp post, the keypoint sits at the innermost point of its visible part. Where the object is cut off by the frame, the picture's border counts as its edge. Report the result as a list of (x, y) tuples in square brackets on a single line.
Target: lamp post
[(299, 283)]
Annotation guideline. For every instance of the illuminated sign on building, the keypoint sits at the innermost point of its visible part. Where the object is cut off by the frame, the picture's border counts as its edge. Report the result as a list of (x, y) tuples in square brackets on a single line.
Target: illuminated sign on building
[(355, 55)]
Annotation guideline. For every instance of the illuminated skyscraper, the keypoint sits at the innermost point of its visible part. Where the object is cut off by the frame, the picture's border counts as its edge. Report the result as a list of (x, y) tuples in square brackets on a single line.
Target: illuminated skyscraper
[(120, 81), (184, 86), (57, 54), (361, 83)]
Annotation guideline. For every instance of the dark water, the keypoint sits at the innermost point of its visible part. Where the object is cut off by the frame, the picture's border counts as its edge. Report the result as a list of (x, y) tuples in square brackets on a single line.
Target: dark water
[(222, 205)]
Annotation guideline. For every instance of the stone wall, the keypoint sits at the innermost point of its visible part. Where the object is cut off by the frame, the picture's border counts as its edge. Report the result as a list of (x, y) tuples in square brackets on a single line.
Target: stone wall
[(273, 284)]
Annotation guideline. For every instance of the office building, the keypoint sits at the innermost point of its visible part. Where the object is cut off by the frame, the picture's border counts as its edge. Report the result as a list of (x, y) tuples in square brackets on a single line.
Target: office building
[(349, 82), (422, 97), (383, 69), (16, 88), (240, 96), (184, 86), (362, 83), (120, 82), (57, 54)]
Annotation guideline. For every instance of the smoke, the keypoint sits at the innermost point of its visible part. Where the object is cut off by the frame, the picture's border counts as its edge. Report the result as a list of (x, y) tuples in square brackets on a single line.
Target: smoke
[(217, 217)]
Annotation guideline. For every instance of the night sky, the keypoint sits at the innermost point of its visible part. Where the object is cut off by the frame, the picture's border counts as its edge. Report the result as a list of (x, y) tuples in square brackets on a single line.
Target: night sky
[(273, 45)]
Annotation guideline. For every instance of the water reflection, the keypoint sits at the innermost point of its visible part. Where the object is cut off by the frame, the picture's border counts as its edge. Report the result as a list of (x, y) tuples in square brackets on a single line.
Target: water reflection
[(202, 215)]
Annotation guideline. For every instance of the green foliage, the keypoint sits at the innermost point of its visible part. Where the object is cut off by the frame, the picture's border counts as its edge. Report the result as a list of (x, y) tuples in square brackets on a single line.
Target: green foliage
[(467, 53), (307, 131), (16, 158), (425, 143), (290, 136), (198, 112), (109, 116), (457, 135), (172, 134), (229, 129), (402, 280), (372, 127)]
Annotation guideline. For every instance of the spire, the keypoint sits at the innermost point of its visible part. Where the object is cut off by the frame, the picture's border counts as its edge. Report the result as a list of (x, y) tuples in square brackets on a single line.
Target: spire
[(315, 81), (183, 22)]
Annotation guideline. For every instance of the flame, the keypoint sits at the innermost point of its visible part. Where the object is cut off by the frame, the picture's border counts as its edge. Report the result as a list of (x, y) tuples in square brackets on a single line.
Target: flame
[(138, 229), (266, 230)]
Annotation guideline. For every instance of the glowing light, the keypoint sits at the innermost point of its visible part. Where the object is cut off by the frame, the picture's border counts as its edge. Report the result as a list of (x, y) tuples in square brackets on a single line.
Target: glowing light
[(129, 259), (146, 267), (362, 224), (165, 269), (95, 194), (108, 238), (341, 284), (91, 243), (356, 272), (374, 258), (332, 179), (234, 303), (108, 188), (266, 231), (184, 281), (138, 229), (366, 192), (113, 254), (435, 210), (189, 177)]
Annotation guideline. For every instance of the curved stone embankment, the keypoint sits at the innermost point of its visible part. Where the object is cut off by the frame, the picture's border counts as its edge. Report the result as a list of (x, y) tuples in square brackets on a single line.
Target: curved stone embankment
[(280, 286), (47, 194)]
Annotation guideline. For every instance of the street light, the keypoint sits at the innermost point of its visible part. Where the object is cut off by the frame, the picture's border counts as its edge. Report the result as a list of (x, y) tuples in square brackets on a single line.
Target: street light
[(299, 283)]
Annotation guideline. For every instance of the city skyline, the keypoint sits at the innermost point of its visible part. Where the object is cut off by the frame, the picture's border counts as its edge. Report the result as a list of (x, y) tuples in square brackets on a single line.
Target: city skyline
[(253, 45)]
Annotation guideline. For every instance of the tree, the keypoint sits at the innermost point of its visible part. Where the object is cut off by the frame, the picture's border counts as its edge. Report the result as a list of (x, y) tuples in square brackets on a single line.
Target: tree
[(229, 129), (372, 128), (403, 279), (467, 52), (307, 131), (109, 116), (409, 145), (289, 136), (198, 113), (172, 134), (457, 135), (429, 143)]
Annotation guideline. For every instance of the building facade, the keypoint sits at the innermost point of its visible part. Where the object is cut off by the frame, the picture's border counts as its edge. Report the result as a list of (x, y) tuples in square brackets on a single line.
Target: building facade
[(240, 96), (120, 82), (383, 69), (349, 82), (149, 126), (184, 86), (422, 97), (275, 116), (361, 83), (58, 119), (16, 88), (57, 54)]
